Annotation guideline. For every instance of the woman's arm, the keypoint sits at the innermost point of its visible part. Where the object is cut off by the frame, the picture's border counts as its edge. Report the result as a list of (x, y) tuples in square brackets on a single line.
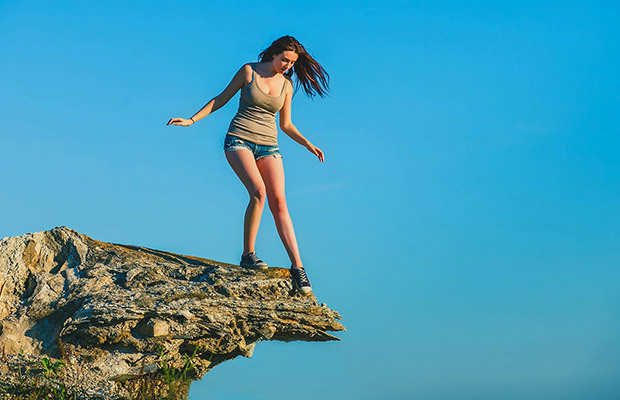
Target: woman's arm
[(218, 101), (287, 125)]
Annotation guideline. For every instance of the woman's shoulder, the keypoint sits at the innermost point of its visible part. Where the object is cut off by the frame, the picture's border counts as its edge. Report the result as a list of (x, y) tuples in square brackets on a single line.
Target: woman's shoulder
[(248, 67), (288, 83), (246, 72)]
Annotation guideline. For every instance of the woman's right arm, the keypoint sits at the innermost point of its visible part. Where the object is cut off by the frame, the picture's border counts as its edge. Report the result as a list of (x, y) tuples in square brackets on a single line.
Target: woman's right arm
[(218, 101)]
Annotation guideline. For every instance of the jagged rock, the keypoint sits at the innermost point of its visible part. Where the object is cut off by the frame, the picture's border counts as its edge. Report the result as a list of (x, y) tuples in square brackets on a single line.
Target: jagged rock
[(111, 308)]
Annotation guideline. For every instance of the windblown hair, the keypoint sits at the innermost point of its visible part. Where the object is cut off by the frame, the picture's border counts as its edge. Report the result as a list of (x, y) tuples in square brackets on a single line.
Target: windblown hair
[(310, 74)]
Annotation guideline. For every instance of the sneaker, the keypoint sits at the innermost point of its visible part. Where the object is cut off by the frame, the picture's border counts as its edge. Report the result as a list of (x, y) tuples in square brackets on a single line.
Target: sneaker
[(300, 280), (250, 260)]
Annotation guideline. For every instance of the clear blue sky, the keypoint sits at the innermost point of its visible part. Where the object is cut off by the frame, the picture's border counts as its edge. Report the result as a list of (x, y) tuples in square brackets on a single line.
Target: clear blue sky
[(466, 222)]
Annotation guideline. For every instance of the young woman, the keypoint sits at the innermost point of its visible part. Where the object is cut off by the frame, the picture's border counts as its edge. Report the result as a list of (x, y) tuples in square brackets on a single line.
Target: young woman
[(251, 144)]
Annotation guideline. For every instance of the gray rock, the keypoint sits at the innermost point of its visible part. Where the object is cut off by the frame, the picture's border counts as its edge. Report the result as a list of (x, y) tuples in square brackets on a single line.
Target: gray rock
[(111, 308)]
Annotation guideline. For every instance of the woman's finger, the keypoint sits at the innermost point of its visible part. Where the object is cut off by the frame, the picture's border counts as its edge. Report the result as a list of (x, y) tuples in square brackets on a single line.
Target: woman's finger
[(175, 121), (319, 154)]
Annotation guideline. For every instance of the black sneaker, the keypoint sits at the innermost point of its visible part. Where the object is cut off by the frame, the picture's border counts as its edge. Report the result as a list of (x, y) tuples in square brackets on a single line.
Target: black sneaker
[(250, 260), (300, 280)]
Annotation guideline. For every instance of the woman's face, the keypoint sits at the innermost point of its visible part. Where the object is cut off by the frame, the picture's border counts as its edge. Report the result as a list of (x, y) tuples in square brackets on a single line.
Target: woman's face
[(284, 61)]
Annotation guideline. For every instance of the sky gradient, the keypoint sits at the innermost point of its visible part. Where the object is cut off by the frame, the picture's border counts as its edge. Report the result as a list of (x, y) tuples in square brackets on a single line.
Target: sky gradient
[(466, 220)]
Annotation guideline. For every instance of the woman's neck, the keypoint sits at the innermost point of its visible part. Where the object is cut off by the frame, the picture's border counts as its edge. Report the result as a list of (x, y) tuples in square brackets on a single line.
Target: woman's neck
[(266, 70)]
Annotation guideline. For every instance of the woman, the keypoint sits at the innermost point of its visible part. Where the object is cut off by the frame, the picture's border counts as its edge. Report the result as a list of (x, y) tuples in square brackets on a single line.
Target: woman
[(251, 145)]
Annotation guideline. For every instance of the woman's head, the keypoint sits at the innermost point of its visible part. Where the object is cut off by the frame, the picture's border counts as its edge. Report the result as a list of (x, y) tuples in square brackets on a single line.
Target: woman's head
[(290, 56), (284, 61)]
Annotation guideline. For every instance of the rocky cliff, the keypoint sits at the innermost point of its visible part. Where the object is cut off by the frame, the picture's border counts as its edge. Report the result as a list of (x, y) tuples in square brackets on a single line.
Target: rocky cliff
[(120, 312)]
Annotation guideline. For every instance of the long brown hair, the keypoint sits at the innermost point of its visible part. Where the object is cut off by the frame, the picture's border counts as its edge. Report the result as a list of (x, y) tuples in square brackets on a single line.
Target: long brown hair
[(310, 74)]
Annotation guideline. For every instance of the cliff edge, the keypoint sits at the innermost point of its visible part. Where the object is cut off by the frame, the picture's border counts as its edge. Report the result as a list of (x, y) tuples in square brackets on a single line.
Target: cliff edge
[(120, 311)]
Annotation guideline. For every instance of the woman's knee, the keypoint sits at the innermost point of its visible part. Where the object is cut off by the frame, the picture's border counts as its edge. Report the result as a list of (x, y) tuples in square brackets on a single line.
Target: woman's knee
[(258, 194), (277, 204)]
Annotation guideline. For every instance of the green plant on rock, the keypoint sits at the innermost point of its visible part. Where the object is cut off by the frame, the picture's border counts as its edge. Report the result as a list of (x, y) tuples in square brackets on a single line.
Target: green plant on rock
[(51, 368), (28, 382), (176, 378)]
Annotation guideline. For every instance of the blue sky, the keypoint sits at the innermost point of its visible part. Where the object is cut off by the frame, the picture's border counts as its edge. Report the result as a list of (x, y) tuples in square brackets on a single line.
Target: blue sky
[(466, 221)]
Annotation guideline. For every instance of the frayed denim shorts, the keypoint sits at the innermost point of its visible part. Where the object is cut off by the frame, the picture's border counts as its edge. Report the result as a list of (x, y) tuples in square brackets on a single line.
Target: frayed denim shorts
[(232, 143)]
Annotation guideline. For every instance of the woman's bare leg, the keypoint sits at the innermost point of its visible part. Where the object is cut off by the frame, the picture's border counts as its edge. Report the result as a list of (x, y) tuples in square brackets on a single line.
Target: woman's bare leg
[(243, 163), (272, 172)]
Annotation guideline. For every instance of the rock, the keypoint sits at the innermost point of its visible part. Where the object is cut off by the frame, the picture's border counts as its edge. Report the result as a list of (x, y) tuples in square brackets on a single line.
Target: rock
[(123, 311), (154, 328), (186, 314)]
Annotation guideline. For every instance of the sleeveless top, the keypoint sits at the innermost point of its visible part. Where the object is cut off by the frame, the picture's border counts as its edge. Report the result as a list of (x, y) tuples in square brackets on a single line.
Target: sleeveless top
[(255, 120)]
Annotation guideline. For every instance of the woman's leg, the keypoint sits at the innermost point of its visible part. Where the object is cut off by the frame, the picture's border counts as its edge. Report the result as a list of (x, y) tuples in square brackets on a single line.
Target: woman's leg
[(243, 163), (272, 172)]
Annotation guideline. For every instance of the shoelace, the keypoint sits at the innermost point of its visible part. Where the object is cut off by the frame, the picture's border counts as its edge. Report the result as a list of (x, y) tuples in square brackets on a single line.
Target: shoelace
[(253, 258), (302, 277)]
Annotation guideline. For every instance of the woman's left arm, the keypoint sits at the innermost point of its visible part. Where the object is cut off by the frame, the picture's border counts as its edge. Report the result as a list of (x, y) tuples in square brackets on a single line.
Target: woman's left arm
[(287, 125)]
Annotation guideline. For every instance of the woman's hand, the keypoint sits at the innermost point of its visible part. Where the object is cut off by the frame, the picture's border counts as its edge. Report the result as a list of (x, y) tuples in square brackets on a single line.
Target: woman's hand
[(180, 122), (316, 151)]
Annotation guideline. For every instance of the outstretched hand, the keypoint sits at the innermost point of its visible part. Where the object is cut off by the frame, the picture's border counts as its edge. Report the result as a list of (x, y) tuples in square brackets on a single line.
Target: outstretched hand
[(180, 122), (316, 151)]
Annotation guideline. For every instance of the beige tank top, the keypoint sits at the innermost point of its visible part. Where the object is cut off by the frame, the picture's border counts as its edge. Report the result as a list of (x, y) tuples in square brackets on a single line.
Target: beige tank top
[(255, 120)]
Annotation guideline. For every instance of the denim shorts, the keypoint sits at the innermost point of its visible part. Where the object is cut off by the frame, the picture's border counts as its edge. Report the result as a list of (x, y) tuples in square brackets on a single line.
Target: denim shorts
[(232, 143)]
